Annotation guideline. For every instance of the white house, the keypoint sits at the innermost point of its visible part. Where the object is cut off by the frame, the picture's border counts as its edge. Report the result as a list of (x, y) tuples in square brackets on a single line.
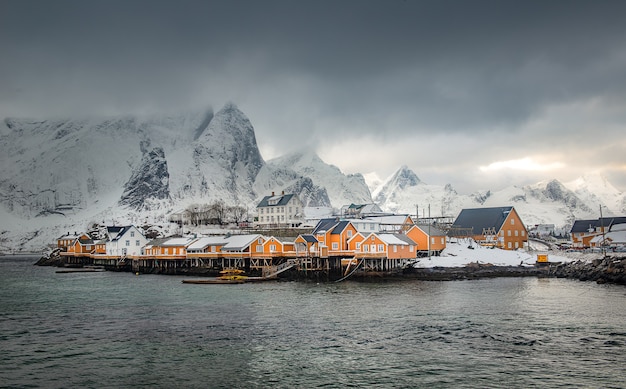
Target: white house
[(284, 210), (126, 240)]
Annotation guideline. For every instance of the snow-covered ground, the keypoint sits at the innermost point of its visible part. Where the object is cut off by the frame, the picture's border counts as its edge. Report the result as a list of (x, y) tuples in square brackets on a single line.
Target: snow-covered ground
[(464, 251)]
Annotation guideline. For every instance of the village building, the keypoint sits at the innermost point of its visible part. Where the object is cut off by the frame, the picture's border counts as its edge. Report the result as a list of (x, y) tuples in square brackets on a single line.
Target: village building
[(497, 226), (429, 239), (613, 240), (83, 246), (67, 240), (359, 211), (584, 231), (168, 248), (334, 234), (284, 210), (124, 241)]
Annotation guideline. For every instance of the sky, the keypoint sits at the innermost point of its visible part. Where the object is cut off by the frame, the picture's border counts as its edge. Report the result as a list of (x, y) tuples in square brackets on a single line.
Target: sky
[(478, 94)]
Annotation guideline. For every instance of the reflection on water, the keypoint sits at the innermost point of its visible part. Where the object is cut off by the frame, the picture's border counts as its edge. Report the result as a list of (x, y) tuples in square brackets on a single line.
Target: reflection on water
[(120, 330)]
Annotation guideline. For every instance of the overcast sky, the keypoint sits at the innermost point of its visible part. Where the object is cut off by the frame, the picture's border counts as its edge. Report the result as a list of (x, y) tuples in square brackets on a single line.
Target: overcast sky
[(479, 94)]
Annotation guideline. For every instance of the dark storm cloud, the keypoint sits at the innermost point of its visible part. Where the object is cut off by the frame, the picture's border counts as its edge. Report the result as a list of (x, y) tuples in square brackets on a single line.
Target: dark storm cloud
[(384, 68)]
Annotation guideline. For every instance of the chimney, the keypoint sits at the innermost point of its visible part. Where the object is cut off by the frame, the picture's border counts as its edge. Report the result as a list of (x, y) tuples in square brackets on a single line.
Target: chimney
[(283, 193), (272, 193)]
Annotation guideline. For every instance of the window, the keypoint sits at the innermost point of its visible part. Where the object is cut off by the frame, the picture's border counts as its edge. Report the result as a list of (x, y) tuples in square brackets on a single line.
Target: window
[(349, 233), (516, 232), (132, 234), (381, 248), (395, 248), (411, 248), (443, 240), (335, 246), (259, 248), (516, 245), (128, 243), (373, 247), (432, 240), (523, 233), (365, 248), (509, 232), (512, 221), (136, 243), (358, 245), (509, 245)]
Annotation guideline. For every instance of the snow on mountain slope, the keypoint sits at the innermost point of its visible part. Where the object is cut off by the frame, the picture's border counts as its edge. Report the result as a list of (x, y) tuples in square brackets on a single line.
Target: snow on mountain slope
[(342, 189), (548, 202), (596, 189), (404, 192)]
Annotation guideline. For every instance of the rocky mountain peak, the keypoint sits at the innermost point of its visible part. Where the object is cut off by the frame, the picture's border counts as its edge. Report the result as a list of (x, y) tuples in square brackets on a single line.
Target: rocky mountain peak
[(150, 181)]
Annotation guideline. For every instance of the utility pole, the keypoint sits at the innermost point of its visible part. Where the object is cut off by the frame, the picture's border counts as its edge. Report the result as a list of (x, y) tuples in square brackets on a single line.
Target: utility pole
[(603, 235), (429, 238)]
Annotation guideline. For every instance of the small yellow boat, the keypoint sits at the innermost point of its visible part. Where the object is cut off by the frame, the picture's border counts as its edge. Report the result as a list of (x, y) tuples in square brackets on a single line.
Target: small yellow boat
[(227, 276)]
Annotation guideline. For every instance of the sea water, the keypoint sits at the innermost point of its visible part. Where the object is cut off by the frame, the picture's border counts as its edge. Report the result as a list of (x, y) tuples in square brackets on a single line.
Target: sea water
[(108, 329)]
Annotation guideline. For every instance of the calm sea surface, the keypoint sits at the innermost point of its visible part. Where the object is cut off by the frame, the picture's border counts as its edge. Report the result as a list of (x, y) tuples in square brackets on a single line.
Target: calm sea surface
[(120, 330)]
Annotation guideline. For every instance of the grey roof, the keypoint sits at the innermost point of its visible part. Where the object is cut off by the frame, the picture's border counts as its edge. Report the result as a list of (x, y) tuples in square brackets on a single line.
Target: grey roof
[(431, 230), (584, 225), (324, 225), (309, 238), (284, 199), (116, 232), (482, 218), (339, 227)]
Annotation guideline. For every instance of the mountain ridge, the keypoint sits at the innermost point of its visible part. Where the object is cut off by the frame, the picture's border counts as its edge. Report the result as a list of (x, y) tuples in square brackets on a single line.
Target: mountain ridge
[(132, 169)]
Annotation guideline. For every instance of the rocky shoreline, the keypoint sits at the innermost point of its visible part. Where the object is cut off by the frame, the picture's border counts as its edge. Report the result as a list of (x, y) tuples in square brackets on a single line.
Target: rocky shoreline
[(604, 270)]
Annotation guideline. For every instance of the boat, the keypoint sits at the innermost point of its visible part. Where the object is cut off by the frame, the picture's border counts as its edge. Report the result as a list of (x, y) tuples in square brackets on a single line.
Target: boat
[(86, 269), (213, 281), (227, 276)]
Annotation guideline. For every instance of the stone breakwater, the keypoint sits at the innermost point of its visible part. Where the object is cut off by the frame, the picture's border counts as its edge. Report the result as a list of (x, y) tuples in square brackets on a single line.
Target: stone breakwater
[(603, 270)]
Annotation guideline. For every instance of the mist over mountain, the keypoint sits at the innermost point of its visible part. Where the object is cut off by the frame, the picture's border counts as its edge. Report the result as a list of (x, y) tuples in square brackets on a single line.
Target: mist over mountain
[(59, 175), (550, 202)]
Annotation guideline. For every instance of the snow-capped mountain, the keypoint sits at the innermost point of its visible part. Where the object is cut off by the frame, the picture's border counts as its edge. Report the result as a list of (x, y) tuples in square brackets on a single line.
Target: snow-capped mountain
[(66, 174), (548, 202), (70, 174), (341, 189)]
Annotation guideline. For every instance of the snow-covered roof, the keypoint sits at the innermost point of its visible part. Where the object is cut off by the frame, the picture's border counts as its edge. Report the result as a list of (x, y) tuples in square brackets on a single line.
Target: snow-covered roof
[(239, 242), (397, 239), (617, 237), (177, 242), (203, 242)]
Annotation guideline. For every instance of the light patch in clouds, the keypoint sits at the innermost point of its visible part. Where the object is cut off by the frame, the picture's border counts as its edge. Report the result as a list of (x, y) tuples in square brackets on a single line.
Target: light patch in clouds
[(526, 163)]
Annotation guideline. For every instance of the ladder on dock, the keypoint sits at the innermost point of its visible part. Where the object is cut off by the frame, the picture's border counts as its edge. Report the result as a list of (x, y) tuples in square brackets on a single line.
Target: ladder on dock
[(282, 267)]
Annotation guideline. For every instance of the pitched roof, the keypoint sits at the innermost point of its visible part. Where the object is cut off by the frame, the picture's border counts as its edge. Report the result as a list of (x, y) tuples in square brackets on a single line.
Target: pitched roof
[(480, 219), (275, 201), (309, 238), (116, 232), (204, 242), (339, 227), (585, 225), (239, 242), (431, 230), (397, 239), (324, 225)]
